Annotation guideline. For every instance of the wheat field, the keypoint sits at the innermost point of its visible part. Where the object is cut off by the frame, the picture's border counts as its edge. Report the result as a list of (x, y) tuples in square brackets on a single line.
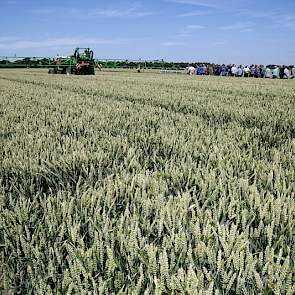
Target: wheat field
[(127, 183)]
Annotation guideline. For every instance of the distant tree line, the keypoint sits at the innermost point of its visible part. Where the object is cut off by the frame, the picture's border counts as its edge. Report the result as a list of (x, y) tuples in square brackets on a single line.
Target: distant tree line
[(26, 62), (155, 64), (34, 62), (130, 64)]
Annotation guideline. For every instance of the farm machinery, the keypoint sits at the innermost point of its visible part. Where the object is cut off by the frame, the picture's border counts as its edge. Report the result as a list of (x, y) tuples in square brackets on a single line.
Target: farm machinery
[(81, 63)]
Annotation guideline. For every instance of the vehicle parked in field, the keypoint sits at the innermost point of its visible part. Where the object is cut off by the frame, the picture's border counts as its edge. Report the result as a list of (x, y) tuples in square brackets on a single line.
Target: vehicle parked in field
[(81, 63)]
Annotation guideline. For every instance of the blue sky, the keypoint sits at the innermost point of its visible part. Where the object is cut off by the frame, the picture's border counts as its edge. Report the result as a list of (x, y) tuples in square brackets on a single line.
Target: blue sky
[(239, 31)]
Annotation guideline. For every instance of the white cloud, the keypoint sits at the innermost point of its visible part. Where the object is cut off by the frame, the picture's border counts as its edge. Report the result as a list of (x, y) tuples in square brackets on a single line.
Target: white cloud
[(208, 3), (7, 38), (239, 26), (183, 34), (58, 42), (195, 27), (213, 4), (44, 10), (286, 21), (278, 18), (219, 43), (133, 9), (189, 29), (256, 14), (193, 13), (172, 44)]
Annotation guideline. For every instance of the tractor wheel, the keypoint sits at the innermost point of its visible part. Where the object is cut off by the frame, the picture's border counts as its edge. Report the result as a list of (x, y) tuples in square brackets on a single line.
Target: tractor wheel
[(51, 71), (89, 71)]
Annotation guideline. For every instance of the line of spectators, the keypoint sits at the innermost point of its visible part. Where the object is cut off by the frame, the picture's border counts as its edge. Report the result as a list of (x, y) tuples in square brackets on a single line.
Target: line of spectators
[(256, 71)]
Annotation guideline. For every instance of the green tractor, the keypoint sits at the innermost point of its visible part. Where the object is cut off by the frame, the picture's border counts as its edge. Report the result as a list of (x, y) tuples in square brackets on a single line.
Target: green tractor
[(81, 63)]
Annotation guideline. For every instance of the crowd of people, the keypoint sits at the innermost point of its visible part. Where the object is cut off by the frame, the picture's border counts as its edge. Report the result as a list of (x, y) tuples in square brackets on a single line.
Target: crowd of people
[(256, 71)]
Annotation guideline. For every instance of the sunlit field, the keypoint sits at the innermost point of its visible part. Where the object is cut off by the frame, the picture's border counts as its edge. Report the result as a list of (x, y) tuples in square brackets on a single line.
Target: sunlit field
[(145, 183)]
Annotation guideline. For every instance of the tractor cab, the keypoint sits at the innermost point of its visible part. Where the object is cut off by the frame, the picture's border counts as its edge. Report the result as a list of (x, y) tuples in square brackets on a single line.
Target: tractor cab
[(84, 61), (83, 54)]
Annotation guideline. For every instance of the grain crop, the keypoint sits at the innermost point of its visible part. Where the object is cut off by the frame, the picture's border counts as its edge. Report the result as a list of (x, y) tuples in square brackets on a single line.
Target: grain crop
[(126, 183)]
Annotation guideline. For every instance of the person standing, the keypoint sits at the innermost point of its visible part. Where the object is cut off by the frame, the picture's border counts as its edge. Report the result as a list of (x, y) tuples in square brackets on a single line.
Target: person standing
[(229, 69), (200, 70), (210, 70), (246, 71), (191, 70), (281, 72), (262, 71), (240, 71), (267, 73), (204, 70), (286, 73), (217, 70), (224, 70), (256, 72), (252, 71), (275, 73), (234, 71)]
